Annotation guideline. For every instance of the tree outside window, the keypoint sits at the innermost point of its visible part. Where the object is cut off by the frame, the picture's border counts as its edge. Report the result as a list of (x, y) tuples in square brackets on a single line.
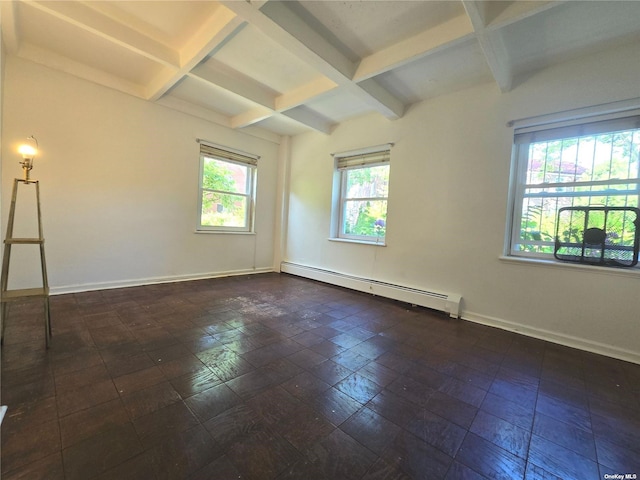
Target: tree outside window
[(226, 194), (365, 201)]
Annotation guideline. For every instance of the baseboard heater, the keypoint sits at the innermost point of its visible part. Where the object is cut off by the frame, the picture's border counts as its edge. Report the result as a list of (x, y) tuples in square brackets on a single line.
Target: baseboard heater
[(445, 302)]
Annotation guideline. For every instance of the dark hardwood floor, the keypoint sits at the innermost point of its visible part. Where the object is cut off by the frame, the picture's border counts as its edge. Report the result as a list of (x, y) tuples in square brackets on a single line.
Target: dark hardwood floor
[(276, 377)]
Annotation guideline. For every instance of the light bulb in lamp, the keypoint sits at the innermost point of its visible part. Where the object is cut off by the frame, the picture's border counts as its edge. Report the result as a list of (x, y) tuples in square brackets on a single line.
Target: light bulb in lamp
[(28, 152)]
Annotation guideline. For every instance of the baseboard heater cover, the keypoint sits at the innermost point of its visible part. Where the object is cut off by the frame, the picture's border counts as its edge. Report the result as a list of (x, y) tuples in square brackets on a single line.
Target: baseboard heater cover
[(445, 302)]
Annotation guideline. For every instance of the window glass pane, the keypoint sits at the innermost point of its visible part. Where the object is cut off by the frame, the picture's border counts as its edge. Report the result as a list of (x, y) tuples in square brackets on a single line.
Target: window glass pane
[(361, 210), (225, 176), (367, 182), (591, 170), (592, 158), (365, 218), (222, 209)]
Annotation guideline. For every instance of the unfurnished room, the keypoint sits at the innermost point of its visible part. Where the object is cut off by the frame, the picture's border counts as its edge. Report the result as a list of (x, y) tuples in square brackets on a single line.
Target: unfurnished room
[(320, 240)]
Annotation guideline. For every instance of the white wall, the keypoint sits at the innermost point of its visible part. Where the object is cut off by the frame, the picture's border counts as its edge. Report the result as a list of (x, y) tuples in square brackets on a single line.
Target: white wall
[(448, 203), (119, 179)]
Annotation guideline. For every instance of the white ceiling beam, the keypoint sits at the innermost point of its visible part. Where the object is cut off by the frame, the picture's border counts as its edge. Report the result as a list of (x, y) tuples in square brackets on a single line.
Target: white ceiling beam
[(114, 11), (219, 75), (309, 118), (213, 33), (299, 115), (283, 26), (513, 12), (268, 104), (257, 3), (251, 117), (283, 37), (495, 52), (304, 93), (492, 45), (240, 85), (92, 21), (388, 105), (10, 34), (189, 108), (194, 110), (445, 35), (313, 46), (64, 64)]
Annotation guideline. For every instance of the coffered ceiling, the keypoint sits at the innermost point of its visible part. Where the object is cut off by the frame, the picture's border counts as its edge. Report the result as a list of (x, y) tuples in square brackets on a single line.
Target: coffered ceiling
[(287, 67)]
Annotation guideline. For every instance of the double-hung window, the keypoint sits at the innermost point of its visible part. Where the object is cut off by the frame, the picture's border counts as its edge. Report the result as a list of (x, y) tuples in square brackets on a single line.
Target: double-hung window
[(361, 208), (587, 163), (227, 189)]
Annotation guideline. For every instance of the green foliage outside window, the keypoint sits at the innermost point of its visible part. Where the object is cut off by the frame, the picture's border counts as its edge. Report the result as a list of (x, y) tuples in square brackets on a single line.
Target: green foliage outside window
[(365, 201), (571, 163), (225, 198)]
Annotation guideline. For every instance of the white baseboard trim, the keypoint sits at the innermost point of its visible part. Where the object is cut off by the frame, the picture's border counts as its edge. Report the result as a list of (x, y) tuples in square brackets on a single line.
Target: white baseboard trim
[(89, 287), (554, 337), (445, 302)]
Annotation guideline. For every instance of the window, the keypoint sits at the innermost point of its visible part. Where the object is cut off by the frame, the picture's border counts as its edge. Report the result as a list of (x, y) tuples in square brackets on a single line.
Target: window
[(361, 209), (227, 186), (594, 163)]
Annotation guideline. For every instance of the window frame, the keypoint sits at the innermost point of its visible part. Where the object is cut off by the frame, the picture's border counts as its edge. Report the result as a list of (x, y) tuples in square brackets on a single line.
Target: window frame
[(524, 137), (233, 157), (346, 162)]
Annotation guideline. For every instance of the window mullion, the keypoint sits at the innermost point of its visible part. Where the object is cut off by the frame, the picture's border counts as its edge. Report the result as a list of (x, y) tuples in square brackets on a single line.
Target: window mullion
[(613, 181), (617, 193), (365, 199), (224, 192)]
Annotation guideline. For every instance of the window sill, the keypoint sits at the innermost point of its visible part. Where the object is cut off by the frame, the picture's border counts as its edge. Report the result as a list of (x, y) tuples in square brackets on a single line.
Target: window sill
[(539, 262), (223, 232), (361, 242)]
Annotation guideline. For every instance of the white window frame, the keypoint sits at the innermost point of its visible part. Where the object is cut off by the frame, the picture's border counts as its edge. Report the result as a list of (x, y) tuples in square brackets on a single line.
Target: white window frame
[(524, 136), (348, 161), (231, 156)]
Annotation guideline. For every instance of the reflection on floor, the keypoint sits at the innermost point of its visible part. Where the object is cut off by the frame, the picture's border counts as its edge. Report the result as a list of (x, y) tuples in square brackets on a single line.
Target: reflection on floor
[(276, 377)]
